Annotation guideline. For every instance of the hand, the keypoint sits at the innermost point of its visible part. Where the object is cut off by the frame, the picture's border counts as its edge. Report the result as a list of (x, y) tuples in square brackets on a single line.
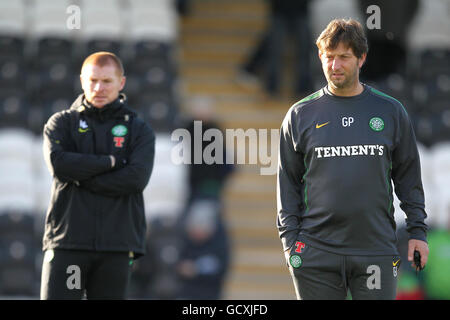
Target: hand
[(113, 160), (287, 255), (118, 161), (422, 247)]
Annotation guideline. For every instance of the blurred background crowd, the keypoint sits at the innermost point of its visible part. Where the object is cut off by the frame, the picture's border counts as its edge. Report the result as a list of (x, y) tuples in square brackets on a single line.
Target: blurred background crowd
[(231, 64)]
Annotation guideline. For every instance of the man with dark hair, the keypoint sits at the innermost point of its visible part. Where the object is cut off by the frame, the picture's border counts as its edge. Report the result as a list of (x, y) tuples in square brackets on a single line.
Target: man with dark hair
[(340, 148), (101, 157)]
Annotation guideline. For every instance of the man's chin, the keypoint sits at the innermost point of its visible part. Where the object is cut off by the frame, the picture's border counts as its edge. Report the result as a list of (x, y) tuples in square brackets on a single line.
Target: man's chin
[(98, 103), (338, 84)]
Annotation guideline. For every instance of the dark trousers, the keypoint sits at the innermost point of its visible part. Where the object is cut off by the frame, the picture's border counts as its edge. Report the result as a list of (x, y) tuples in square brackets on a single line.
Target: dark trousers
[(75, 274), (324, 275)]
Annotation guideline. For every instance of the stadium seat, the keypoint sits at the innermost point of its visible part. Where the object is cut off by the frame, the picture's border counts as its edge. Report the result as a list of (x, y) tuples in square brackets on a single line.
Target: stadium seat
[(12, 71), (322, 12), (58, 72), (423, 127), (16, 222), (439, 214), (426, 164), (152, 49), (42, 179), (36, 119), (419, 94), (16, 143), (440, 126), (439, 104), (16, 170), (11, 46), (50, 48), (101, 23), (50, 42), (19, 278), (153, 20), (432, 62), (162, 195), (154, 75), (18, 251), (429, 29), (102, 28), (145, 5), (13, 18), (42, 112), (17, 186), (48, 20), (102, 5), (428, 182), (154, 275), (95, 45), (441, 169), (158, 109), (438, 90), (54, 95), (13, 108), (132, 89), (441, 163)]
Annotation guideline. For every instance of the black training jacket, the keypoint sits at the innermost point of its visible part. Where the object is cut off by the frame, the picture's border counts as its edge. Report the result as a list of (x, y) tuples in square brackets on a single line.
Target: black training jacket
[(338, 158), (94, 206)]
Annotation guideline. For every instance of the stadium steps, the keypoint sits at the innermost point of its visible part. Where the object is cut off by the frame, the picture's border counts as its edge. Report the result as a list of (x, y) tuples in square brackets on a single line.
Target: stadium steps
[(215, 38)]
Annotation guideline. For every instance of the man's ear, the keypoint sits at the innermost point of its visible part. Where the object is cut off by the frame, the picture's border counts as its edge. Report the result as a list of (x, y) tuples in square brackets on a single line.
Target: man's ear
[(81, 81), (362, 60), (122, 82)]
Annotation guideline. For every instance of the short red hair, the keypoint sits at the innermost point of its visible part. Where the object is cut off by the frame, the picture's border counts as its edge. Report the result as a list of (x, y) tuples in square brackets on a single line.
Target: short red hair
[(103, 58)]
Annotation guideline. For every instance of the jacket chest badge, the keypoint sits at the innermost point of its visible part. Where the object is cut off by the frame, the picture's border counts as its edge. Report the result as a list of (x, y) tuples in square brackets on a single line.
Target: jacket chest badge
[(119, 132), (83, 127)]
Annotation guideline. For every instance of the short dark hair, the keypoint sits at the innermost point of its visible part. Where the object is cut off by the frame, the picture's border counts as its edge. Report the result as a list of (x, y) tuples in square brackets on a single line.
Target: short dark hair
[(347, 31), (103, 58)]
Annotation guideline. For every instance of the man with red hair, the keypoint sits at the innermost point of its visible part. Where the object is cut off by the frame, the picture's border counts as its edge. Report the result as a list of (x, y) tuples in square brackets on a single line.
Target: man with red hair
[(100, 155)]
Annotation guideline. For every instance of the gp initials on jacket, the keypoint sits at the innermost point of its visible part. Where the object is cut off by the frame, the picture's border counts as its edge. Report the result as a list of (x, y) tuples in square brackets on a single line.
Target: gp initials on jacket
[(349, 151)]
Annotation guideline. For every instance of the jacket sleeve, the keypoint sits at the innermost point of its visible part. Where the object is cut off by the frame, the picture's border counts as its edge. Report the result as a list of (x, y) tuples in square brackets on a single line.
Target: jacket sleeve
[(61, 157), (291, 169), (132, 178), (406, 175)]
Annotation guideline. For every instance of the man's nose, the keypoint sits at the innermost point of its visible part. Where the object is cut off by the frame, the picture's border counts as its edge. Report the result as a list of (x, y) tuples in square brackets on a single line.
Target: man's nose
[(336, 64), (98, 86)]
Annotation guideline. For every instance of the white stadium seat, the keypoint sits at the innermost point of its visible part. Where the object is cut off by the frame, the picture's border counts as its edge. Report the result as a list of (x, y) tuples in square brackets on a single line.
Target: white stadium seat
[(101, 5), (49, 18), (16, 143), (13, 17), (16, 170), (430, 27), (101, 24), (42, 178), (441, 169), (323, 11), (429, 186), (441, 164), (167, 190), (146, 5), (153, 23)]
